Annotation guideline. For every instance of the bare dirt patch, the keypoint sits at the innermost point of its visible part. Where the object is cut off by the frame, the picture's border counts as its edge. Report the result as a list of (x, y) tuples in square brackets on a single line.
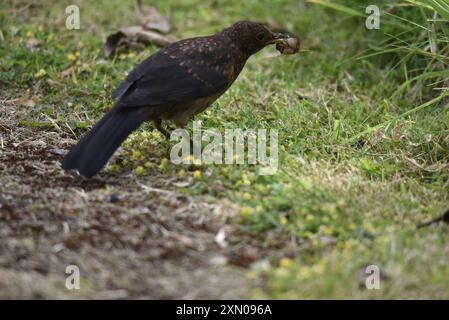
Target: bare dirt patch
[(129, 239)]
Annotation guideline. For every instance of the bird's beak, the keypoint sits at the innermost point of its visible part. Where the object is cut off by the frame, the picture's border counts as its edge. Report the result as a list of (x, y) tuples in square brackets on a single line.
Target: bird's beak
[(277, 37)]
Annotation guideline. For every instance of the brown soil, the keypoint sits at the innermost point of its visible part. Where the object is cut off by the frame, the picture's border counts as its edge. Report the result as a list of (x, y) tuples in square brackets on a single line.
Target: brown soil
[(128, 238)]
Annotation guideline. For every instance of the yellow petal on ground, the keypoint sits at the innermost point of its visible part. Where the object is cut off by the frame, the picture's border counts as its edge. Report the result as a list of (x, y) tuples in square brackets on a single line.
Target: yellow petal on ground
[(197, 174), (139, 170), (41, 73)]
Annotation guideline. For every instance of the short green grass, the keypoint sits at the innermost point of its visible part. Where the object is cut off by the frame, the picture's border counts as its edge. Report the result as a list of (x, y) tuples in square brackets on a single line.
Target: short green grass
[(347, 200)]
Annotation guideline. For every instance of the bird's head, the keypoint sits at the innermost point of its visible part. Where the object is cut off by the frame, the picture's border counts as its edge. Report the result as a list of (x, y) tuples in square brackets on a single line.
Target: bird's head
[(251, 37)]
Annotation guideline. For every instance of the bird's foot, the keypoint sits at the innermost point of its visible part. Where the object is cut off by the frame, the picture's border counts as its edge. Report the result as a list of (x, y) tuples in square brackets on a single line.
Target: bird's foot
[(158, 125)]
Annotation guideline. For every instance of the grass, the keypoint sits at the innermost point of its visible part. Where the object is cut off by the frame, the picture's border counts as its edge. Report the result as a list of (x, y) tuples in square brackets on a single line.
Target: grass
[(363, 157)]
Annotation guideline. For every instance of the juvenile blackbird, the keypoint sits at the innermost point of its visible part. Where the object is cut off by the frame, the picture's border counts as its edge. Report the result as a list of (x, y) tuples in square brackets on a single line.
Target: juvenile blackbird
[(174, 84)]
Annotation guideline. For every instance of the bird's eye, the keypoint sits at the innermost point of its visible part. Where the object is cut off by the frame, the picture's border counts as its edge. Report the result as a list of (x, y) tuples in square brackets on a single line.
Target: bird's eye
[(260, 36)]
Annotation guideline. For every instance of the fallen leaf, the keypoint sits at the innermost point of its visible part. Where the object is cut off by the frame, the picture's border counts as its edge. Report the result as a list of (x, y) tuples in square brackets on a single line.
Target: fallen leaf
[(128, 37), (65, 73), (116, 41), (33, 44), (151, 19), (58, 151), (26, 101), (218, 260), (220, 238), (187, 241), (183, 184), (150, 37), (245, 256)]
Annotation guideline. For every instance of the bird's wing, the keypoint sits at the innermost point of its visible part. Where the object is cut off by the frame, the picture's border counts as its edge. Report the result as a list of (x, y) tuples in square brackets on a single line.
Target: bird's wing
[(184, 71)]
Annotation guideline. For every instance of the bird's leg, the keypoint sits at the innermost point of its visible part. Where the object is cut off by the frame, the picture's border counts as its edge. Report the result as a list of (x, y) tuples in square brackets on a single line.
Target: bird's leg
[(196, 151), (158, 125)]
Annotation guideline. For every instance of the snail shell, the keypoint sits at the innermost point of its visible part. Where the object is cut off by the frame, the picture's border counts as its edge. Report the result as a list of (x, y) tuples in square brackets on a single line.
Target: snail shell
[(288, 45)]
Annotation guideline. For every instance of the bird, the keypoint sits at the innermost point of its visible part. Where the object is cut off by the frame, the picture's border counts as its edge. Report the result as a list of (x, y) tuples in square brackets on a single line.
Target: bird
[(174, 84)]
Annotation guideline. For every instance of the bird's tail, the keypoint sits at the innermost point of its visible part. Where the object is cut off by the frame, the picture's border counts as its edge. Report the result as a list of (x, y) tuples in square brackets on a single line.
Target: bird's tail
[(97, 146)]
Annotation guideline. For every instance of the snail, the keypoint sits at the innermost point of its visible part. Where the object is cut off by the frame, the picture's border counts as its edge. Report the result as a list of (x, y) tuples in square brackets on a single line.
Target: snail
[(288, 45)]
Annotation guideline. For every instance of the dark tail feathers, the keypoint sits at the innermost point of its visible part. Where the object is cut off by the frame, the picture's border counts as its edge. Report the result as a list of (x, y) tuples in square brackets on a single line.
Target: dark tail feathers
[(97, 146)]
